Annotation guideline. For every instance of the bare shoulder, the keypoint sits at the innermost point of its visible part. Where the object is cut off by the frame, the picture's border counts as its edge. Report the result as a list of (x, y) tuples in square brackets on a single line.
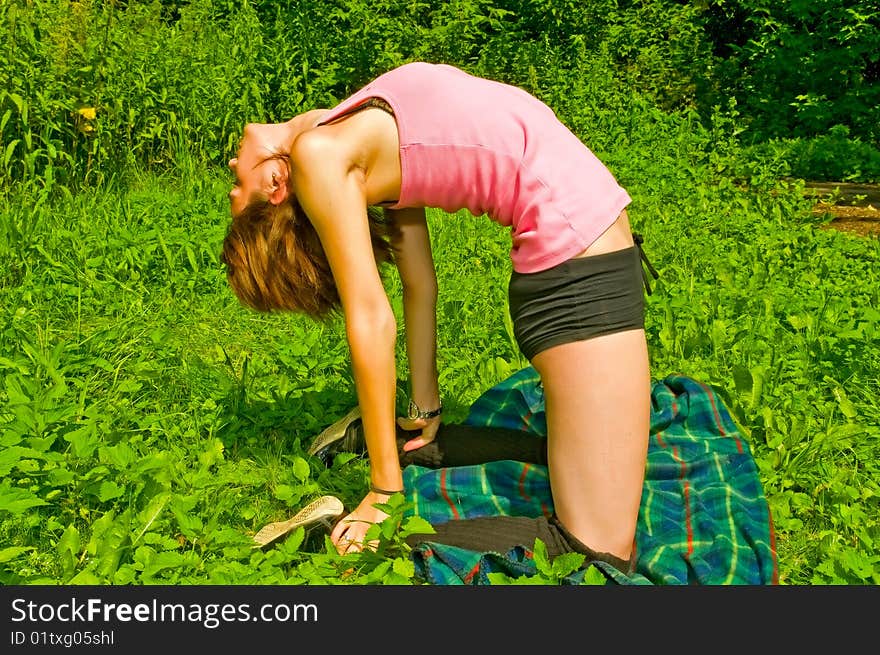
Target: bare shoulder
[(365, 143), (314, 145)]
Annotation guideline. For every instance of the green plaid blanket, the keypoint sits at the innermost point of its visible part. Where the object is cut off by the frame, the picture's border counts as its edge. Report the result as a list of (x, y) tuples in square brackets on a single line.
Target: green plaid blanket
[(704, 518)]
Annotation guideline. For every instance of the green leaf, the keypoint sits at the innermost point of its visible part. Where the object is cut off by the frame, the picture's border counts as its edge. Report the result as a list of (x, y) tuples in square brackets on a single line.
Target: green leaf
[(20, 103), (541, 559), (301, 469), (159, 562), (68, 550), (60, 477), (43, 444), (9, 554), (120, 456), (801, 321), (9, 150), (213, 454), (405, 568), (284, 492), (85, 577), (742, 379), (394, 578), (191, 256), (10, 439), (567, 563), (13, 457), (159, 465), (69, 542), (190, 524), (151, 513), (129, 386), (84, 440), (18, 501), (846, 406), (294, 540), (109, 541), (109, 490), (416, 525), (593, 576)]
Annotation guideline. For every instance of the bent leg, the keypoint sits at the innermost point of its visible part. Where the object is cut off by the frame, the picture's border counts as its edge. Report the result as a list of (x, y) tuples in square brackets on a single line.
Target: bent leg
[(499, 534), (458, 444), (597, 401)]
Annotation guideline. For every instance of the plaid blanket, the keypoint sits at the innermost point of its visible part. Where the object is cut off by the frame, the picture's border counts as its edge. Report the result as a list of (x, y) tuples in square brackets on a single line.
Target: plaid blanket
[(704, 518)]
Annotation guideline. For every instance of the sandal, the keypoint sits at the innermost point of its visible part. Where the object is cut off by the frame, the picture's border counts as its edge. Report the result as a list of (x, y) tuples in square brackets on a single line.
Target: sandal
[(344, 435), (325, 510)]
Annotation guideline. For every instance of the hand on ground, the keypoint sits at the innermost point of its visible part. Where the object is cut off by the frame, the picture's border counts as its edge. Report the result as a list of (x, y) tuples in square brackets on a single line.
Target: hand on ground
[(348, 534), (428, 426)]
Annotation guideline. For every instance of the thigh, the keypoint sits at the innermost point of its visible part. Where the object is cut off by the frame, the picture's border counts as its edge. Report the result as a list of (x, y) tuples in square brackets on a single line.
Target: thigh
[(597, 395)]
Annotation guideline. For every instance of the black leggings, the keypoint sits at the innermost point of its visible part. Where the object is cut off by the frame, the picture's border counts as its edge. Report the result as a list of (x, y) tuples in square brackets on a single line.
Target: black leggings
[(464, 445), (457, 444)]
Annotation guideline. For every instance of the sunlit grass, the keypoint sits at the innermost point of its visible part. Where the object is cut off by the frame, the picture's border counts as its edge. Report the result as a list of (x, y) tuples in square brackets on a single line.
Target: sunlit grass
[(138, 392)]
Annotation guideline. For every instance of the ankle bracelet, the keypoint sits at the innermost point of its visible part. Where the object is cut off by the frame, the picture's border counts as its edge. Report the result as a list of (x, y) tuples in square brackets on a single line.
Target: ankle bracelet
[(384, 492)]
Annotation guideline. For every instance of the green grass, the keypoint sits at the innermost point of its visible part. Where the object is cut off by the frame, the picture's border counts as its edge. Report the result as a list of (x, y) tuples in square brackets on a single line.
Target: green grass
[(149, 423)]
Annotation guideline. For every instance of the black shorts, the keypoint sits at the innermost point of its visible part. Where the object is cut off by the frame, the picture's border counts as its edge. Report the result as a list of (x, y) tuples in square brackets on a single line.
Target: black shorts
[(578, 299)]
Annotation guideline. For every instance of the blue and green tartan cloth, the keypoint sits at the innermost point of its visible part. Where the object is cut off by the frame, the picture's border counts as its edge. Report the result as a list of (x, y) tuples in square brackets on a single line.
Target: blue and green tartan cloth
[(703, 519)]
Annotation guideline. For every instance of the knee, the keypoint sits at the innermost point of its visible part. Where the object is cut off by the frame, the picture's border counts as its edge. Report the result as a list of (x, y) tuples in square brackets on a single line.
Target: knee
[(619, 554)]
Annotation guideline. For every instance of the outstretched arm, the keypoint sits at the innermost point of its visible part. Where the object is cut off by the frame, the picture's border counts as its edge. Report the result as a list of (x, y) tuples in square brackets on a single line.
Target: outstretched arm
[(331, 191), (412, 245)]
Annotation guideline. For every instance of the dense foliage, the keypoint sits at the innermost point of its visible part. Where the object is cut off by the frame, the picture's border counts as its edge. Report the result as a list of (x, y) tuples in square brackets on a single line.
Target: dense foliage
[(149, 424), (90, 88)]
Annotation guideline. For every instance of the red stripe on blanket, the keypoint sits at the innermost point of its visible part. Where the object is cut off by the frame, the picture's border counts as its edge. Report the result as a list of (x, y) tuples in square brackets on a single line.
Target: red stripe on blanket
[(659, 438), (687, 515), (687, 502), (522, 481), (711, 395), (545, 509), (775, 575), (470, 574), (443, 490)]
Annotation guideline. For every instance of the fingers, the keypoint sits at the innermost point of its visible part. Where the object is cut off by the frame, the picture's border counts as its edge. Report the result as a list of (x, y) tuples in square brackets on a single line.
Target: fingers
[(352, 542), (344, 534), (349, 534), (413, 444), (428, 427), (349, 545), (348, 539), (410, 424), (340, 528)]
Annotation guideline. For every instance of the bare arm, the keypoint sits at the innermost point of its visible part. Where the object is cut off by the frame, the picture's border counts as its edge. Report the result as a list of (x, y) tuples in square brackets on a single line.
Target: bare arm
[(417, 274), (331, 191)]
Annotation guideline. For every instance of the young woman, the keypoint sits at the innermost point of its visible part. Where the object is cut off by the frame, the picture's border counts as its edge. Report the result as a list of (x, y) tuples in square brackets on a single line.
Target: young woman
[(304, 237)]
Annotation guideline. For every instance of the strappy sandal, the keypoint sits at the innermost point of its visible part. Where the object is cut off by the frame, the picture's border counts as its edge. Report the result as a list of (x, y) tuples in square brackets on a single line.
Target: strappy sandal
[(324, 510), (342, 436)]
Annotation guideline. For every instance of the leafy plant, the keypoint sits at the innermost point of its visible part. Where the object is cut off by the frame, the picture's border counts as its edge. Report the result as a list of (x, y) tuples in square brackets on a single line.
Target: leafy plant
[(149, 424)]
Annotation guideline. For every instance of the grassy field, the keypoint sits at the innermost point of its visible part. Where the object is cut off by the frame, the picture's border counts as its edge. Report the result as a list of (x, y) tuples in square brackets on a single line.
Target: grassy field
[(149, 424)]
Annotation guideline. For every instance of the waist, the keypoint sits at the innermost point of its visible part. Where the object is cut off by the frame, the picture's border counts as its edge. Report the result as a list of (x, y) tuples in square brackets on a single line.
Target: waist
[(617, 237)]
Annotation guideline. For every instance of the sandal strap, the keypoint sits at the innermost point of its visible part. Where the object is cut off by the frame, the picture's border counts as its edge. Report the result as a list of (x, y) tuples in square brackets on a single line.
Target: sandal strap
[(384, 492)]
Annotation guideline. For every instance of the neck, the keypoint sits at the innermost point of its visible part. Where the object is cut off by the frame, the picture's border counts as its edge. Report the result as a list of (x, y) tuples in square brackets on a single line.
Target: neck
[(300, 123)]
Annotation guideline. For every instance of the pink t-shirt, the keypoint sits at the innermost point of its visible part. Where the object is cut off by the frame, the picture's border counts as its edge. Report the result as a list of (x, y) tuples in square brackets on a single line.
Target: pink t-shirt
[(493, 149)]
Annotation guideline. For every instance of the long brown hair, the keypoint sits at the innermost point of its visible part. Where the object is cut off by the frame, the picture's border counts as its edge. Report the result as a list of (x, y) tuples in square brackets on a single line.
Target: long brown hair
[(275, 261)]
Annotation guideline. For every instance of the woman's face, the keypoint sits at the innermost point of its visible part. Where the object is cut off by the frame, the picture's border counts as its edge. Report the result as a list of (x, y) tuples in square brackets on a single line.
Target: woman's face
[(256, 170)]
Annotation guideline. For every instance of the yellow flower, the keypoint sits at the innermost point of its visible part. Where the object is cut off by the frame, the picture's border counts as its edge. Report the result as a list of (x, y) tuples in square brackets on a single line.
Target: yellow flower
[(88, 113)]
